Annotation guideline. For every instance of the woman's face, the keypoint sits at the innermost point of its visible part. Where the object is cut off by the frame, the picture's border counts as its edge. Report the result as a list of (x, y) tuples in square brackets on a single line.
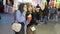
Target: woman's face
[(37, 9), (30, 8), (25, 8)]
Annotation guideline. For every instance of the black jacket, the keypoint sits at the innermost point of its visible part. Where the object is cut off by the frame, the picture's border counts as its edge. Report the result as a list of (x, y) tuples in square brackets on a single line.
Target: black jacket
[(38, 15), (58, 9), (45, 12), (32, 21)]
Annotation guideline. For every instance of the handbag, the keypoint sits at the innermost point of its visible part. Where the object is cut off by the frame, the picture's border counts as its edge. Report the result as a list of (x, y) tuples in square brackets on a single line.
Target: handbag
[(33, 28), (16, 27)]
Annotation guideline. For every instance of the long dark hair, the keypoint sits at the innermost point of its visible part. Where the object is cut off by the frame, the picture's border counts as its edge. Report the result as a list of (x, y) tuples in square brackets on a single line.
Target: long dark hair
[(21, 7)]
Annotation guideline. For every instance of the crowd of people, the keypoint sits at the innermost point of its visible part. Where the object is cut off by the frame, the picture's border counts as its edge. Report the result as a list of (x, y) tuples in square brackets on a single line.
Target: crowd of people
[(37, 16)]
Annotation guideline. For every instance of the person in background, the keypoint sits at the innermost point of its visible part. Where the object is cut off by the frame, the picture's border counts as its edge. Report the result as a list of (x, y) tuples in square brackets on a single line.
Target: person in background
[(21, 17), (40, 10), (31, 23), (59, 11), (45, 14), (55, 14), (34, 14), (51, 12), (38, 16), (38, 6)]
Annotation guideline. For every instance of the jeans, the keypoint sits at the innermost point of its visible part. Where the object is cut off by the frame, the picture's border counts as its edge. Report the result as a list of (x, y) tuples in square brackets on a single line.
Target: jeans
[(54, 16), (45, 20), (59, 14), (38, 21), (51, 15), (25, 28)]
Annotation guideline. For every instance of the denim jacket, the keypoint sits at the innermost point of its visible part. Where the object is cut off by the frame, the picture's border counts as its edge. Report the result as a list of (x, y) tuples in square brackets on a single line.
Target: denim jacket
[(21, 17)]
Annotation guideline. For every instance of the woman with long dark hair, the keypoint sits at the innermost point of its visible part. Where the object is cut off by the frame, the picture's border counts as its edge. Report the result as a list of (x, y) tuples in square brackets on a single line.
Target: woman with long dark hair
[(21, 17)]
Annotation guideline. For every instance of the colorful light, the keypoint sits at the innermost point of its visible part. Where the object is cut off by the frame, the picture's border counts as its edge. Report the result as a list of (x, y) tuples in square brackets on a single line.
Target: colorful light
[(45, 1), (55, 3)]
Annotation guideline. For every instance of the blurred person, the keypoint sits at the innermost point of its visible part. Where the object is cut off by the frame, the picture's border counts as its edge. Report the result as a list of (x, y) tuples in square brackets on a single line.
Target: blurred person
[(49, 7), (59, 11), (32, 22), (34, 14), (21, 17), (40, 10), (45, 14), (55, 14), (38, 6), (52, 12), (38, 16)]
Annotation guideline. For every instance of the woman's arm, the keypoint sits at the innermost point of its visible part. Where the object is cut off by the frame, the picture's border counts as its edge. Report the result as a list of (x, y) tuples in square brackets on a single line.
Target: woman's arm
[(18, 16)]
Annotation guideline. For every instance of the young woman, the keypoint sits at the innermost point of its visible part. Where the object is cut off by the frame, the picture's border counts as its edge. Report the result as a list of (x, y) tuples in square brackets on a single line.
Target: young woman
[(21, 17), (31, 23)]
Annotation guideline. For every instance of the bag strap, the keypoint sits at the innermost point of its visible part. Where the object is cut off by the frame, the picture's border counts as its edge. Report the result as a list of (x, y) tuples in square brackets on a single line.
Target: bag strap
[(15, 15)]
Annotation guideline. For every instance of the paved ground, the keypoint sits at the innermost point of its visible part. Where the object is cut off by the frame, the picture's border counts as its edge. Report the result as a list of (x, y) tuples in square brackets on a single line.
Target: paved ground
[(7, 20), (5, 24)]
